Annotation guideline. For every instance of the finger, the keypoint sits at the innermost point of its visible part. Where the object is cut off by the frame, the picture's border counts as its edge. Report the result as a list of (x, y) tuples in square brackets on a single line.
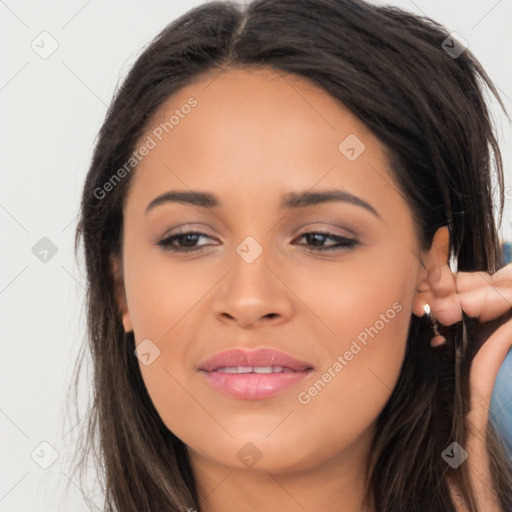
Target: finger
[(488, 360), (466, 281), (483, 373), (486, 302)]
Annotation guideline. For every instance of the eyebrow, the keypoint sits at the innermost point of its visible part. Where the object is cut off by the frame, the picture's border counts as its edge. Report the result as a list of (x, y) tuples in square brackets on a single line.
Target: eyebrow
[(290, 200)]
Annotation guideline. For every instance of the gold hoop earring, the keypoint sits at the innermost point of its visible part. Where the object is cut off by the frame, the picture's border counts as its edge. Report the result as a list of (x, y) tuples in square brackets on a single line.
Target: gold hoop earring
[(437, 339)]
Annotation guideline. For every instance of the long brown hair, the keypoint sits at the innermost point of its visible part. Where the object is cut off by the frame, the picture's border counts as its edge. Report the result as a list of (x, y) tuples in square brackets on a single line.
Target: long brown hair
[(391, 70)]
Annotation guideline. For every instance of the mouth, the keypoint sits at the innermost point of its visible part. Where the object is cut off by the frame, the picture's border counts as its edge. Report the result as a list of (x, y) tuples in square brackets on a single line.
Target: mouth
[(253, 369), (254, 375)]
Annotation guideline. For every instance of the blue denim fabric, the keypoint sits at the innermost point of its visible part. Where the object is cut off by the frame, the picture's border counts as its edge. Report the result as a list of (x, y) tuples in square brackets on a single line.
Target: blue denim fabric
[(501, 403)]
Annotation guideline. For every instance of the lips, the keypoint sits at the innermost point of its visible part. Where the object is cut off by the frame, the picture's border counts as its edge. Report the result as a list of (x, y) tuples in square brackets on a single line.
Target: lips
[(255, 375), (261, 358)]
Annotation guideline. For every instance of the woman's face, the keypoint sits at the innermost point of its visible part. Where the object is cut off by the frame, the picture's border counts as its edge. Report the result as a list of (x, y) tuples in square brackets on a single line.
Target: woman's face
[(262, 274)]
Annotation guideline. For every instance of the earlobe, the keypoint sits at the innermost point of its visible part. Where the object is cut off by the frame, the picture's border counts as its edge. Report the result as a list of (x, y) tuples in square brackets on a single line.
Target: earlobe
[(120, 294), (437, 288), (127, 322)]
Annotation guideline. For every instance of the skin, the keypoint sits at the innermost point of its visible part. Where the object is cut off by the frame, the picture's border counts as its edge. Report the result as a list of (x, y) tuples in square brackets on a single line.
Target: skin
[(254, 136)]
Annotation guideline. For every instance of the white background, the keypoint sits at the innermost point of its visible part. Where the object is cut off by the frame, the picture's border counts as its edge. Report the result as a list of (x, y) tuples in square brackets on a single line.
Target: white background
[(50, 112)]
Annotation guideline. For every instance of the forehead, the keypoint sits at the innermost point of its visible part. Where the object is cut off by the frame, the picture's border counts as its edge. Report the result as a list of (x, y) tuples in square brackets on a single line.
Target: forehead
[(265, 132), (261, 108)]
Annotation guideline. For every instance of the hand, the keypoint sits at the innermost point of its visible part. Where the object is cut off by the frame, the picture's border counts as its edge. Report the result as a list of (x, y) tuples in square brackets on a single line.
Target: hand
[(487, 298)]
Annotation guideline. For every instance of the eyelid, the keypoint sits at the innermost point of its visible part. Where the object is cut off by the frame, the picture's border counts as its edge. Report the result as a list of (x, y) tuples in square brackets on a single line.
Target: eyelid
[(189, 228), (311, 227), (186, 227), (323, 232)]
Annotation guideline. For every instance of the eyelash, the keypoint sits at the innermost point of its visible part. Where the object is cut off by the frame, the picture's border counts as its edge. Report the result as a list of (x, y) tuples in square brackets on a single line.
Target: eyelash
[(343, 242)]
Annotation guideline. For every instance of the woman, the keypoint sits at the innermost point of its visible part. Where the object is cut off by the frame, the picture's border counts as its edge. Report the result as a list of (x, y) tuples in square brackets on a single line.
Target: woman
[(295, 299)]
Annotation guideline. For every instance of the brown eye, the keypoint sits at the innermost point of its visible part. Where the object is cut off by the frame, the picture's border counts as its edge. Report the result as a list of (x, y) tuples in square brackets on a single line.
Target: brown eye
[(316, 238), (185, 241)]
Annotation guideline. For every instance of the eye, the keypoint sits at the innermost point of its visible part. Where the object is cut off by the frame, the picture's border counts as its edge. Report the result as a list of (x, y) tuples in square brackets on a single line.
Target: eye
[(186, 242), (188, 238), (318, 237)]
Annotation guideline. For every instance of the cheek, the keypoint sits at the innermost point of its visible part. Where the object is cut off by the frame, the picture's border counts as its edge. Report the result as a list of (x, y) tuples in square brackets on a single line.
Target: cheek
[(165, 304), (362, 370), (363, 298), (367, 307), (369, 324), (162, 296)]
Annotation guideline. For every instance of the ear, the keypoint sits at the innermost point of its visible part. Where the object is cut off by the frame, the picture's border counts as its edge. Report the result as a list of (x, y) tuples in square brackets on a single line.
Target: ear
[(120, 295), (437, 287)]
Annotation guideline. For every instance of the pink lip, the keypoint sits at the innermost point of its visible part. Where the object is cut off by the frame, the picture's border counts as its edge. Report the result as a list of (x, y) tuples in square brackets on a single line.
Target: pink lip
[(254, 386)]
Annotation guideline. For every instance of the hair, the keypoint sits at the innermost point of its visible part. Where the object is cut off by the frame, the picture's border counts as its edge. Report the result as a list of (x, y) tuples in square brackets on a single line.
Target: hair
[(429, 109)]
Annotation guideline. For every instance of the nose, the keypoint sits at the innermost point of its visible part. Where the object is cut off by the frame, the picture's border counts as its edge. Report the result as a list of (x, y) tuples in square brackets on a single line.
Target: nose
[(253, 294)]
